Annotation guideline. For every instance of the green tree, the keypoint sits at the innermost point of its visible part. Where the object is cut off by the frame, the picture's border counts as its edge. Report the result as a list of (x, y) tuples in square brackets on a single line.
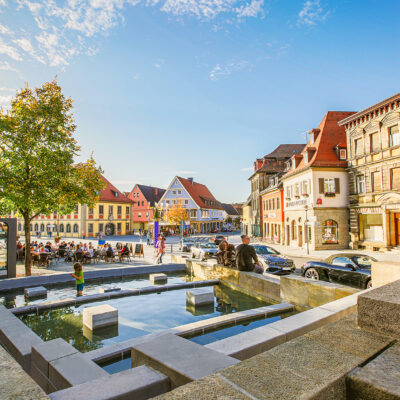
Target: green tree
[(236, 222), (37, 170)]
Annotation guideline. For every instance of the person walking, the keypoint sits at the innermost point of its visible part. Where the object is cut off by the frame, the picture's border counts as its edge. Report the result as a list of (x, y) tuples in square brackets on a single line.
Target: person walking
[(160, 248), (246, 257)]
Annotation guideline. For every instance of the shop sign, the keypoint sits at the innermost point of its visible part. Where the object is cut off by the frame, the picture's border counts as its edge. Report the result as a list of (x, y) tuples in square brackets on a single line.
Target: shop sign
[(271, 215), (296, 203)]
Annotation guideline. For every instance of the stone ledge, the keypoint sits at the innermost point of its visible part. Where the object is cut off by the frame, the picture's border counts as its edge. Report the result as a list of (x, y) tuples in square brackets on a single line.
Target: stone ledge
[(139, 383)]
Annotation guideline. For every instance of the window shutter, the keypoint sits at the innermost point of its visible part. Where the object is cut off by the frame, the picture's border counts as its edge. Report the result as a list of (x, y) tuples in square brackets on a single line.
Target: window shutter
[(337, 185), (321, 185)]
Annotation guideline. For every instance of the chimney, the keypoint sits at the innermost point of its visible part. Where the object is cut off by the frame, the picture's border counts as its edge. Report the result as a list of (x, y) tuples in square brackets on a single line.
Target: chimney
[(190, 180), (156, 191)]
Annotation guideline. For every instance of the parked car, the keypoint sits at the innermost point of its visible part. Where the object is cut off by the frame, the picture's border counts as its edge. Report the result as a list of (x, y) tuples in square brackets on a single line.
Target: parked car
[(273, 261), (204, 250), (186, 243), (345, 268), (218, 239)]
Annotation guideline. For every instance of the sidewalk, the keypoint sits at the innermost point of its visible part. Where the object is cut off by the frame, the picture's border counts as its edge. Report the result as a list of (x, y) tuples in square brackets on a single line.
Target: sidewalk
[(323, 254)]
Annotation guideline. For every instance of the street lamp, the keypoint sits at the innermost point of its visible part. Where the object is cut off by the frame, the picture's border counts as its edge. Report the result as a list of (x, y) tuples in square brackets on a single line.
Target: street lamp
[(308, 250)]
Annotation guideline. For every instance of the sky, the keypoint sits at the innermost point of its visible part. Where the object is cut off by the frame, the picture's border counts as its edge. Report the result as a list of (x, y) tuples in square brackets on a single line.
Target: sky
[(199, 88)]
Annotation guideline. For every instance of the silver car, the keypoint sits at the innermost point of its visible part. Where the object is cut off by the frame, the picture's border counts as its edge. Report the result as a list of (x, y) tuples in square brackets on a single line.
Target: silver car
[(203, 250), (186, 244)]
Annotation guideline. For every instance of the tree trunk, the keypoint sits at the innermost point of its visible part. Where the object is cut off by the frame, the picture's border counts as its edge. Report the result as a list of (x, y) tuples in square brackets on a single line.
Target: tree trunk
[(28, 258)]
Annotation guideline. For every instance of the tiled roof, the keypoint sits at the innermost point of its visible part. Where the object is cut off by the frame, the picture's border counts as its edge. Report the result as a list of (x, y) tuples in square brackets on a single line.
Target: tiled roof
[(111, 193), (229, 209), (152, 194), (200, 194), (330, 135), (286, 150)]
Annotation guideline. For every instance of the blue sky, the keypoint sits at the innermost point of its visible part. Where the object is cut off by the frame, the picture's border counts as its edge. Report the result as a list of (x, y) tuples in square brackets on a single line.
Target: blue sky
[(199, 87)]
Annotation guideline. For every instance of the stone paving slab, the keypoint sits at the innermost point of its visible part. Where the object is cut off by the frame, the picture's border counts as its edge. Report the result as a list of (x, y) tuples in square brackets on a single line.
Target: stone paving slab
[(209, 388), (15, 383), (379, 379), (181, 360)]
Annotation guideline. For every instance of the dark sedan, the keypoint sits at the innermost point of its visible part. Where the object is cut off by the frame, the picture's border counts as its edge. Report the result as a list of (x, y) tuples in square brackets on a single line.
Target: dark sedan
[(273, 261), (345, 268)]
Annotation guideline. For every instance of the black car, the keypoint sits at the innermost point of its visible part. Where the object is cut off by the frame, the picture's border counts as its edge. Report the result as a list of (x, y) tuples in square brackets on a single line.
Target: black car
[(218, 239), (273, 261), (345, 268)]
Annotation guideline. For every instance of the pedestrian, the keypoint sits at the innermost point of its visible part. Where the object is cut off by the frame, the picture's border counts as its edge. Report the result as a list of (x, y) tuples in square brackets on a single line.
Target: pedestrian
[(223, 246), (246, 257), (84, 234), (160, 249), (78, 275)]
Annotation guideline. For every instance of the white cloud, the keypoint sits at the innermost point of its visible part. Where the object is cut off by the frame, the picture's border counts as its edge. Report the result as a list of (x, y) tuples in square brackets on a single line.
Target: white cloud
[(67, 28), (227, 69), (311, 13), (5, 66), (247, 169), (252, 9), (5, 101), (10, 51), (5, 89), (3, 3)]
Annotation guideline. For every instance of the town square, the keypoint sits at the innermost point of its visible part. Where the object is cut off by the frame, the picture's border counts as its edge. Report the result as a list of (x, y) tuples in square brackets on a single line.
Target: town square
[(199, 199)]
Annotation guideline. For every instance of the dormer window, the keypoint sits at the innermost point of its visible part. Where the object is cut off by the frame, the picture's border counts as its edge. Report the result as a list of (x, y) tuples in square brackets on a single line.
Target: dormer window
[(305, 155), (342, 154)]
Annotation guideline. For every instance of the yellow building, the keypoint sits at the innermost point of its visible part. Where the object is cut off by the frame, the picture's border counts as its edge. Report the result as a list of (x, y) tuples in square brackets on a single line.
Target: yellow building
[(110, 216), (247, 217)]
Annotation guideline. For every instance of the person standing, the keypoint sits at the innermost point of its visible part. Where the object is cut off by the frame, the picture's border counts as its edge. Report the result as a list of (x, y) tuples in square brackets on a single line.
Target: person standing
[(79, 280), (246, 257), (160, 248)]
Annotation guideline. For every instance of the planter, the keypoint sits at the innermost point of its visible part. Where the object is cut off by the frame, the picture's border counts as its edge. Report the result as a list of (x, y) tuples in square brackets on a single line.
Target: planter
[(296, 197), (305, 195), (287, 198), (329, 194)]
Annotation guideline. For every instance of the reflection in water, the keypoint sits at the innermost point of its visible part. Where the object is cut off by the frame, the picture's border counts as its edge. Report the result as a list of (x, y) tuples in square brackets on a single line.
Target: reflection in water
[(3, 248), (138, 316)]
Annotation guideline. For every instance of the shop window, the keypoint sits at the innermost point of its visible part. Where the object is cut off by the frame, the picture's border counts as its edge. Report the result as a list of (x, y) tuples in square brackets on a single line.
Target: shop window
[(68, 228), (36, 227), (371, 227), (119, 226), (62, 228), (294, 230), (395, 178), (90, 228), (360, 184), (330, 231), (394, 136), (42, 228), (76, 228)]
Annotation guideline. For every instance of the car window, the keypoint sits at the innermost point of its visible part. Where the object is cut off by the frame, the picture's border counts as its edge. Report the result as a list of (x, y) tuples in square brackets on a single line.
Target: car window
[(265, 250), (362, 261), (342, 261), (208, 246)]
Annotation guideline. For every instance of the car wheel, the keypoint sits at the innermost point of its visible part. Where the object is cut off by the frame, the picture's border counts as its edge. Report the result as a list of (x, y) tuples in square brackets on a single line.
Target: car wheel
[(369, 284), (312, 273)]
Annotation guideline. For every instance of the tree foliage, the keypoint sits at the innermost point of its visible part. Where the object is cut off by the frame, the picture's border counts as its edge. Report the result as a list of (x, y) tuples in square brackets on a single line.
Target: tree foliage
[(37, 170), (175, 215)]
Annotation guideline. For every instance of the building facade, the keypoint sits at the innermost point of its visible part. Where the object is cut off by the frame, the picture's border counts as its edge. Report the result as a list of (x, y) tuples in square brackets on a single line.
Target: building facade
[(373, 142), (265, 167), (272, 213), (110, 216), (205, 213), (247, 217), (316, 189), (144, 198)]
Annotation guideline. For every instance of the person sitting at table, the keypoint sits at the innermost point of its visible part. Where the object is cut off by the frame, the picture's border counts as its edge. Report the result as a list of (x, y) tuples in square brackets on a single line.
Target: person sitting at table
[(89, 254), (48, 247), (124, 252), (109, 252)]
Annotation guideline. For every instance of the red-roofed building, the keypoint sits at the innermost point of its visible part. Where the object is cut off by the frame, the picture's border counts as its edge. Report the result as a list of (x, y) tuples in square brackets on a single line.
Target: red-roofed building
[(204, 212), (316, 189)]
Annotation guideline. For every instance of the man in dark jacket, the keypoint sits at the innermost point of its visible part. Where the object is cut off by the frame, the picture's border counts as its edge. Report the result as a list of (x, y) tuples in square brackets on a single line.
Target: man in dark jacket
[(246, 257)]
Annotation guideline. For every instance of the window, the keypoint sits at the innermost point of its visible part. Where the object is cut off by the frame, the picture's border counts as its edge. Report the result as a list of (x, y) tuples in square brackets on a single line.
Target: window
[(101, 209), (395, 178), (174, 192), (179, 192), (278, 205), (360, 184), (36, 227), (62, 228), (101, 227), (142, 203), (297, 189), (76, 209), (30, 227), (127, 227), (342, 154), (42, 228), (90, 228), (147, 215), (394, 136), (329, 185), (193, 213), (119, 210), (139, 215), (19, 226), (68, 228), (167, 201), (376, 181), (90, 211), (342, 261), (76, 228), (133, 195), (186, 201), (374, 142), (305, 156), (358, 147), (128, 210), (119, 226), (294, 230), (305, 187), (330, 231), (110, 210)]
